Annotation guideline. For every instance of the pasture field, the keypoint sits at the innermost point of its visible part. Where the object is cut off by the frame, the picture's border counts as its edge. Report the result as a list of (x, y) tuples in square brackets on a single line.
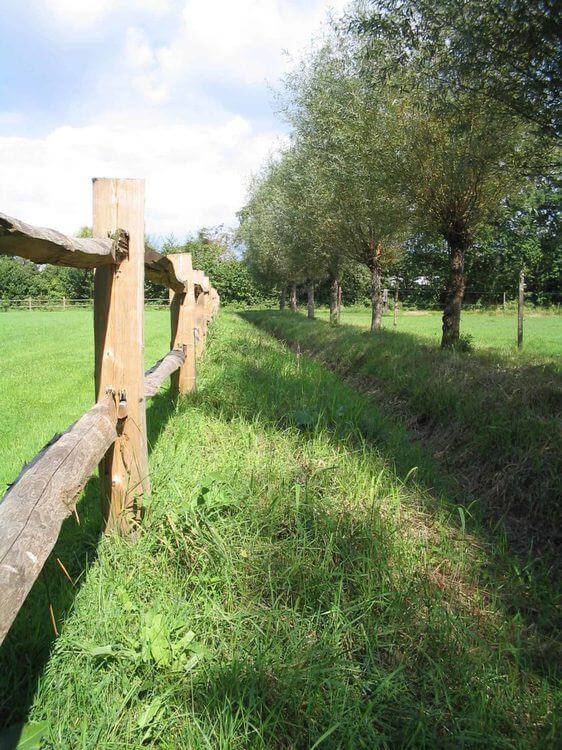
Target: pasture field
[(307, 575), (488, 330)]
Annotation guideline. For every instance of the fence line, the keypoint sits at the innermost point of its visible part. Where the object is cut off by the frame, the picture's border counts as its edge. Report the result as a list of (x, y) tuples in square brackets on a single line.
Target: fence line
[(113, 433)]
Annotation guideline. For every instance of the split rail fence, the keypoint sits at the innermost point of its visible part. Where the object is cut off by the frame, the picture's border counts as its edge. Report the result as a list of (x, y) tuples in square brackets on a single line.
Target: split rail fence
[(112, 434)]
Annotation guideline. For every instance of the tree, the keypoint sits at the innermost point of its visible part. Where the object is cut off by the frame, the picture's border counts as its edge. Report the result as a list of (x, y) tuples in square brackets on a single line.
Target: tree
[(505, 50), (457, 155), (337, 115)]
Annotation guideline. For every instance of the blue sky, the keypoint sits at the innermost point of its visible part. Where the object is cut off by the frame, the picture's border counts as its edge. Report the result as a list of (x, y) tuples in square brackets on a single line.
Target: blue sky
[(175, 91)]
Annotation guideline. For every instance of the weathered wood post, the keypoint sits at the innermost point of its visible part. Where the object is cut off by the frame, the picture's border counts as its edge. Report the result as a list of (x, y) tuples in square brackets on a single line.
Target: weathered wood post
[(119, 344), (182, 319), (64, 303), (200, 320), (396, 305), (503, 304), (385, 300), (520, 304)]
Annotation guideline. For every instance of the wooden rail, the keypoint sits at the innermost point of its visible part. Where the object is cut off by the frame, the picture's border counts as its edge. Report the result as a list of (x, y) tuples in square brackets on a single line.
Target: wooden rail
[(112, 433), (42, 245), (44, 494), (161, 371)]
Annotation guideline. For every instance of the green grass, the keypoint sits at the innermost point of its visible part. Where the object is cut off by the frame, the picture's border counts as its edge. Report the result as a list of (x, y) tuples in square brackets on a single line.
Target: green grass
[(296, 583), (488, 330), (493, 420), (46, 382)]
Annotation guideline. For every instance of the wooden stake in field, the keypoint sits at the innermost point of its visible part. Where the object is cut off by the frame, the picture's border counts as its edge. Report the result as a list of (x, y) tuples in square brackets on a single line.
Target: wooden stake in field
[(119, 370), (182, 318), (396, 306), (520, 305)]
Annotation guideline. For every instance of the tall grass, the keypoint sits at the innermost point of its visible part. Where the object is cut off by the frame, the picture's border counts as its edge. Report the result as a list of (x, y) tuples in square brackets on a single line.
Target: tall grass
[(291, 588), (494, 425)]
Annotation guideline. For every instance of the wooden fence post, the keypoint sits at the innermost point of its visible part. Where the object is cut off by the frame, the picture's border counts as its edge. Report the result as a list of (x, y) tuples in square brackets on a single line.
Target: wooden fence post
[(182, 318), (520, 304), (119, 344), (395, 305), (385, 300)]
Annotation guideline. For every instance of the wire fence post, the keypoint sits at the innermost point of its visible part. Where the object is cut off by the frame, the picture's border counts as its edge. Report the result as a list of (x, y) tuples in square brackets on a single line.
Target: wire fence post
[(520, 304)]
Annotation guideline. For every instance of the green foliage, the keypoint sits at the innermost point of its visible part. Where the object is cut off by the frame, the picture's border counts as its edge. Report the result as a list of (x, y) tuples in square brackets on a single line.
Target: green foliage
[(507, 50), (395, 146)]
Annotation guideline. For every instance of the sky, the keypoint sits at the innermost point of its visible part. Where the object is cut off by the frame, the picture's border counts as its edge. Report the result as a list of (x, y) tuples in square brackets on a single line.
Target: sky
[(178, 92)]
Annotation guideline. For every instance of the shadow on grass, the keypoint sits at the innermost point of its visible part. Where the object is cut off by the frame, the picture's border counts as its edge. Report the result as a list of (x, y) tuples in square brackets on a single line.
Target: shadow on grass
[(493, 426), (295, 398), (28, 645)]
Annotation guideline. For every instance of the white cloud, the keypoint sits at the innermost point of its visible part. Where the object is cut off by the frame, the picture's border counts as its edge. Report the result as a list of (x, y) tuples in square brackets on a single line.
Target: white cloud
[(196, 167), (195, 175), (247, 41), (82, 14), (138, 51)]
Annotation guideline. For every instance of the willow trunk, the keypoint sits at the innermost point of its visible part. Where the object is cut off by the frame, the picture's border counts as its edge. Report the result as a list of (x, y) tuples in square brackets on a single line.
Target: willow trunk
[(454, 296), (294, 305), (334, 309), (376, 299), (310, 299)]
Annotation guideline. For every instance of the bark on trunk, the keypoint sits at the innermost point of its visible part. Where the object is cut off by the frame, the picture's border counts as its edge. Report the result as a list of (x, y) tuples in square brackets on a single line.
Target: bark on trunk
[(376, 300), (310, 299), (334, 316), (339, 300), (294, 305), (520, 305), (282, 298), (454, 296)]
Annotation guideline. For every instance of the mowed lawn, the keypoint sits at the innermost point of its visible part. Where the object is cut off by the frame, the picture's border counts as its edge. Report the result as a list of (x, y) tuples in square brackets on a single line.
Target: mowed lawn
[(291, 586), (542, 332), (47, 377)]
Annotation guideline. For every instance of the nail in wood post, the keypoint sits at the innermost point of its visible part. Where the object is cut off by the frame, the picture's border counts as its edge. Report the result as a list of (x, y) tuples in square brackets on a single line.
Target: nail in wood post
[(520, 304), (119, 344), (182, 318)]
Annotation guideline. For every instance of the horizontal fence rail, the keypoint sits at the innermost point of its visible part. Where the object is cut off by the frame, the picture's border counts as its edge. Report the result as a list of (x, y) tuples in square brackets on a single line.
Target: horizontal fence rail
[(44, 494), (112, 434)]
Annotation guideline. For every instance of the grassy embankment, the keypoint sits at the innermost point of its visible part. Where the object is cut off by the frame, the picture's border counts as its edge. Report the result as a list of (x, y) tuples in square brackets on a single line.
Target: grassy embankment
[(491, 417), (294, 584)]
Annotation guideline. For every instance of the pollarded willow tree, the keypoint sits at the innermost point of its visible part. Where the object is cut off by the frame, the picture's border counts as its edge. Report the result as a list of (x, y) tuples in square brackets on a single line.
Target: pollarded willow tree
[(266, 253), (457, 153), (277, 226), (336, 115)]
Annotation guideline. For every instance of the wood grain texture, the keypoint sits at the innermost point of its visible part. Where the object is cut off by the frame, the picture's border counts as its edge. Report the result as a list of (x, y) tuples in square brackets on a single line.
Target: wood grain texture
[(42, 245), (182, 323), (44, 494), (161, 270), (201, 282), (158, 373), (119, 345)]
